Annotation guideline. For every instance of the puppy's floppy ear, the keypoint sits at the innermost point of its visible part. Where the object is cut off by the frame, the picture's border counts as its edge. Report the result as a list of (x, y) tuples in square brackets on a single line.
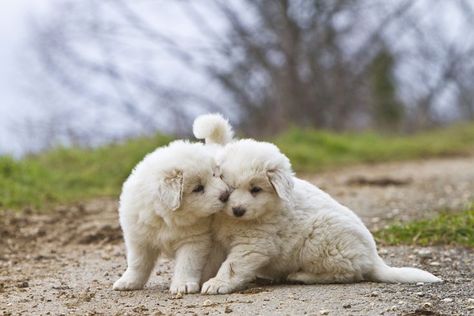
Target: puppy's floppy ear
[(282, 183), (170, 189)]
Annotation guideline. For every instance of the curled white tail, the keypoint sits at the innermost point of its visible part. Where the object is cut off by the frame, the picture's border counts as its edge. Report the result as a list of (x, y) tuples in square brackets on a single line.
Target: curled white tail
[(214, 128), (384, 273)]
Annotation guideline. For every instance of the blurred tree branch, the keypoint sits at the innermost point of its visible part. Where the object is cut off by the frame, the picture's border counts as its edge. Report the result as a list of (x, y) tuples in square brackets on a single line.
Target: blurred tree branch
[(273, 63)]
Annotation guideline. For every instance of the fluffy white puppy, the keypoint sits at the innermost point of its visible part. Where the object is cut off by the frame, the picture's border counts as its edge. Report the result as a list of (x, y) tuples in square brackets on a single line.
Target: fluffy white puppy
[(166, 206), (280, 227)]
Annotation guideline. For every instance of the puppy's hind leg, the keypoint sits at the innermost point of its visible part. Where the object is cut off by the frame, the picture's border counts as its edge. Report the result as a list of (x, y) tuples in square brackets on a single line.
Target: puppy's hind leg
[(322, 278), (141, 260), (303, 277)]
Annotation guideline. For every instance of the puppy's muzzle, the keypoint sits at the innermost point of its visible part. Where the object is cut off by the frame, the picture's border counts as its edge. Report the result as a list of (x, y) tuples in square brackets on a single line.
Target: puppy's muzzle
[(224, 197), (238, 211)]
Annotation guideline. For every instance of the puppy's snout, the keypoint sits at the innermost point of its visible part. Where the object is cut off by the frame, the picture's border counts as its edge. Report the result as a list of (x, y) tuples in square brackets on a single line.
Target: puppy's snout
[(238, 211), (224, 197)]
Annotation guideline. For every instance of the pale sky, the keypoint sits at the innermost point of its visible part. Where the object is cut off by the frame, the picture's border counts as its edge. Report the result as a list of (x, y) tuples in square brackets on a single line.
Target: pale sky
[(13, 22), (14, 15)]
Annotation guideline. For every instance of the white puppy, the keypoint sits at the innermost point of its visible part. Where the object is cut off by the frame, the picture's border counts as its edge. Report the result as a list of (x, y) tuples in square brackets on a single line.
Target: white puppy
[(280, 227), (166, 206)]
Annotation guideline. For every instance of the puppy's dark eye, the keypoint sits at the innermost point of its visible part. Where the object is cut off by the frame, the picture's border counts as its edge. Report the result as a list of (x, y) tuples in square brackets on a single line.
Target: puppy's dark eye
[(255, 190), (198, 188)]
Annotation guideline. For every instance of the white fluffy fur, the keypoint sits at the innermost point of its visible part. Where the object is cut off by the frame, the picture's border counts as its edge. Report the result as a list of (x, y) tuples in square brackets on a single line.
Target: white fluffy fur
[(161, 214), (290, 230), (214, 128)]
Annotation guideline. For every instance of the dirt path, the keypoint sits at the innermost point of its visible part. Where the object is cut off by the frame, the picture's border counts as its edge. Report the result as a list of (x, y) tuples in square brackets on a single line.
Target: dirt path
[(65, 262), (401, 191)]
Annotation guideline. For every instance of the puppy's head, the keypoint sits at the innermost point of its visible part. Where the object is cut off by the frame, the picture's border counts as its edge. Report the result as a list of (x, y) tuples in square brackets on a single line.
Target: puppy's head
[(180, 182), (259, 177)]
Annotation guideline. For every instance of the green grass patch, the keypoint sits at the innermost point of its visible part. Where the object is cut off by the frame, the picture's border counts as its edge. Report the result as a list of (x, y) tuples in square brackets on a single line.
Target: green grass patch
[(71, 174), (311, 150), (444, 229)]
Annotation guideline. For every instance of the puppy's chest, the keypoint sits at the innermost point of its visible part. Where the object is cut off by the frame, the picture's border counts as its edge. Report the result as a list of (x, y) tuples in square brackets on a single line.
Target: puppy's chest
[(230, 234), (169, 239)]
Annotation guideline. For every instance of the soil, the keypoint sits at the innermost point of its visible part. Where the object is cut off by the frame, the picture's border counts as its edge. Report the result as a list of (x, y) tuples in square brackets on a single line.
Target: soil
[(64, 262)]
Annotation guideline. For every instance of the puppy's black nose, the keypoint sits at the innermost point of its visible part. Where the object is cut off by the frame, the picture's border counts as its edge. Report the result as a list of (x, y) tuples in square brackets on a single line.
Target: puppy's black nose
[(224, 197), (238, 211)]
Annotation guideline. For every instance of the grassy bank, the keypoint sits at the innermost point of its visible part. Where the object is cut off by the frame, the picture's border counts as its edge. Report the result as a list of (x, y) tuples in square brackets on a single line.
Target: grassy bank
[(445, 229), (316, 150), (68, 175)]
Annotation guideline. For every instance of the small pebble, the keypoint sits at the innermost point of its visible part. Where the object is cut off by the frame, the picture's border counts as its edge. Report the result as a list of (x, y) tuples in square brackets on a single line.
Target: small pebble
[(207, 303), (227, 310), (374, 294), (346, 306), (375, 220), (420, 284), (427, 305), (323, 312), (435, 264), (178, 295), (424, 253), (420, 294)]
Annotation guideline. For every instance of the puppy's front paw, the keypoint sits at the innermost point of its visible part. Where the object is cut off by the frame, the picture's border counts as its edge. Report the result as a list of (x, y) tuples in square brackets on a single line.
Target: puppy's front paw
[(127, 284), (184, 287), (216, 286)]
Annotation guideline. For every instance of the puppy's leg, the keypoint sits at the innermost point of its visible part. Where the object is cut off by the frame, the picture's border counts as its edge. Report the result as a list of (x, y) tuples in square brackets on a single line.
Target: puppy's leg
[(189, 264), (141, 260), (216, 258), (237, 271), (303, 277), (321, 278)]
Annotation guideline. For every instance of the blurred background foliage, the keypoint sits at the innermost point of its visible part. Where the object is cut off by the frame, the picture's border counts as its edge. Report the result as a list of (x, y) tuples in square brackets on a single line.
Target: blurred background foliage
[(102, 71), (332, 82)]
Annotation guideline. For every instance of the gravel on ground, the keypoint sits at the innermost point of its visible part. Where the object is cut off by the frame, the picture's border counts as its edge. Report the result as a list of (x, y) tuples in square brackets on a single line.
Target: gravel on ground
[(64, 262)]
